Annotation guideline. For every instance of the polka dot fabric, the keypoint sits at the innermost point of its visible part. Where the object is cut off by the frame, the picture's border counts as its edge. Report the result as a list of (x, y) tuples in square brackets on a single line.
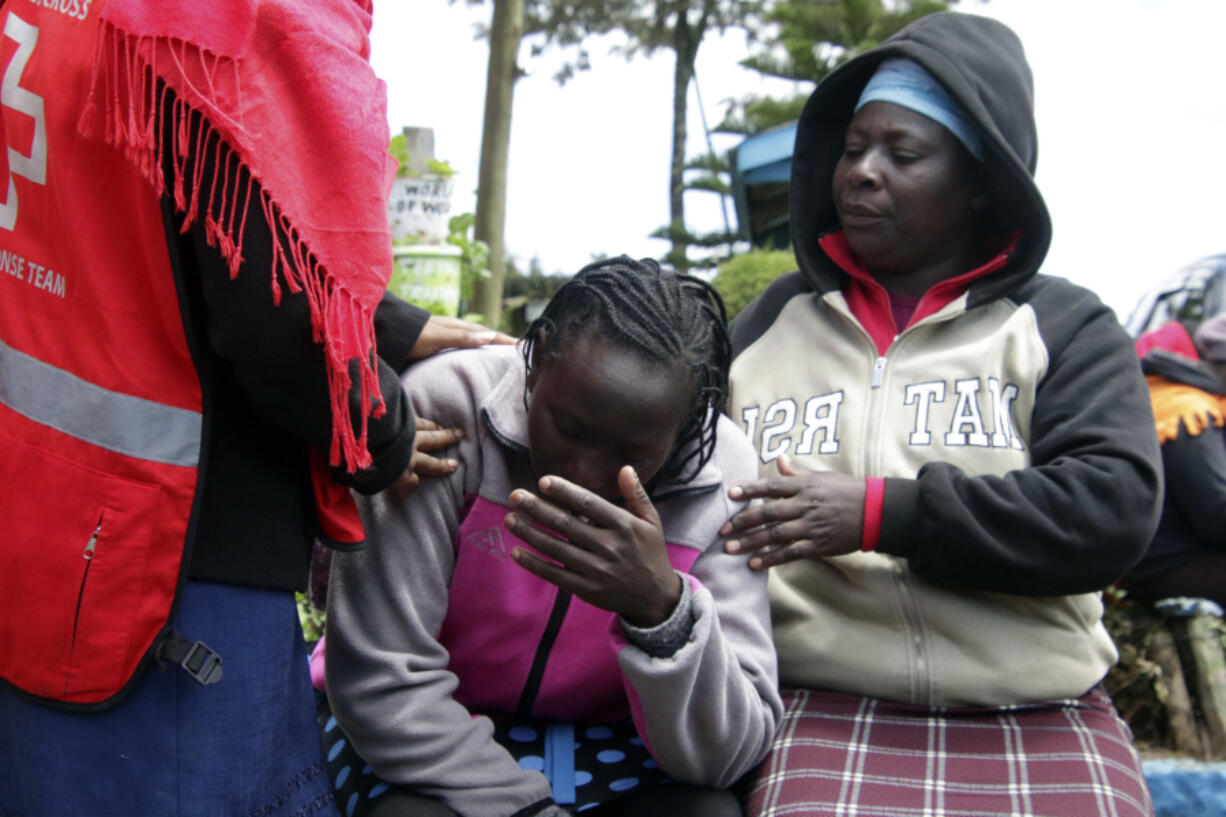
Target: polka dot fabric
[(353, 782), (586, 765)]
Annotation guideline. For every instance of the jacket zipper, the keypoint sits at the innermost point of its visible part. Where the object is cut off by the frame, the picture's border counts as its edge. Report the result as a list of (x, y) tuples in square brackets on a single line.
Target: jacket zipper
[(913, 629), (532, 686), (878, 371), (88, 555), (921, 684)]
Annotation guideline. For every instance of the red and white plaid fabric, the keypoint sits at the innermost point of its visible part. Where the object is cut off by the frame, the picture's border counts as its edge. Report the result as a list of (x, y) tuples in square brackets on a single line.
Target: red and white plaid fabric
[(839, 754)]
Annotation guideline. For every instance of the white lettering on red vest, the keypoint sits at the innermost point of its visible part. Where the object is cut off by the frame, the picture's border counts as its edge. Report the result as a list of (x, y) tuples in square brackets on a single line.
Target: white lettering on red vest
[(36, 275), (12, 95), (77, 9)]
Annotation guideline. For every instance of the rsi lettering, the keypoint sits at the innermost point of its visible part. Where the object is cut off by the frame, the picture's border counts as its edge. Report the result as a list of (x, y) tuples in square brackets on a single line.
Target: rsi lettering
[(961, 420)]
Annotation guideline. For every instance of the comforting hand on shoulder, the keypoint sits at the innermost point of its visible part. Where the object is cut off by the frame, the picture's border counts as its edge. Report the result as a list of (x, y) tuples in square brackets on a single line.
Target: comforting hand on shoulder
[(807, 514), (612, 558), (430, 436), (445, 332)]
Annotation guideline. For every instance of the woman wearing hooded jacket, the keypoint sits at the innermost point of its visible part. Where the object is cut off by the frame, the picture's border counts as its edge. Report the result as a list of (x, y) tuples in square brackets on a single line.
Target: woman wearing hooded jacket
[(957, 454)]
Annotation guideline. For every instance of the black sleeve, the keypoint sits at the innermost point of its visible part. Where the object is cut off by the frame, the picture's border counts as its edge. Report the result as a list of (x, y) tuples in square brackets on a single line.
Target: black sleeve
[(274, 357), (398, 324), (1195, 467), (1082, 513)]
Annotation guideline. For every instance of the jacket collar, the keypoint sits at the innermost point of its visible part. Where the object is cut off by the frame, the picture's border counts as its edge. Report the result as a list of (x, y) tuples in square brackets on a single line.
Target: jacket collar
[(870, 303)]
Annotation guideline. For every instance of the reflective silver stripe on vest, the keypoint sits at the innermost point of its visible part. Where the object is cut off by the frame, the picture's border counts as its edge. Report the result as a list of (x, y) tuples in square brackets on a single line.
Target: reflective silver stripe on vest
[(108, 419)]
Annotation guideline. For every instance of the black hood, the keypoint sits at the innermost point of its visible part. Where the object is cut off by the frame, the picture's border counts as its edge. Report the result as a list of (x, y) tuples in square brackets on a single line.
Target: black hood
[(980, 62)]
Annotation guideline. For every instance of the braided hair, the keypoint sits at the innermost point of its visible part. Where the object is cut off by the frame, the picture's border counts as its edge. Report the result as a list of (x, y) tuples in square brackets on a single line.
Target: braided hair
[(660, 315)]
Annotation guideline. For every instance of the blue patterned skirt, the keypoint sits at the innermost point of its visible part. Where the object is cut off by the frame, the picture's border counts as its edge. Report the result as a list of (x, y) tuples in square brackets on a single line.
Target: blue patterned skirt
[(247, 746)]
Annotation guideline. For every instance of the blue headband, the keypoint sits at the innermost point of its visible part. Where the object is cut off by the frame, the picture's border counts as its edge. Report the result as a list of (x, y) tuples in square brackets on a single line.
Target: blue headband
[(905, 82)]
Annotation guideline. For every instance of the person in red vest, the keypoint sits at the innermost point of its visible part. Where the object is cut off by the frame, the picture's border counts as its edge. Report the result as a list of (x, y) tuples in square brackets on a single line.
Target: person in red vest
[(194, 250)]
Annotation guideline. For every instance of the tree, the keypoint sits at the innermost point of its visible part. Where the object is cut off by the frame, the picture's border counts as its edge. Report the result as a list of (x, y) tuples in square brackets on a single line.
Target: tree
[(505, 34), (804, 40), (680, 26), (558, 22), (650, 26)]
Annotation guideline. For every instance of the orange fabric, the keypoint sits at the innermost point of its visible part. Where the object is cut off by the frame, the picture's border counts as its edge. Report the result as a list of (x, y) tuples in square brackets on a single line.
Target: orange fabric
[(287, 93), (1175, 404)]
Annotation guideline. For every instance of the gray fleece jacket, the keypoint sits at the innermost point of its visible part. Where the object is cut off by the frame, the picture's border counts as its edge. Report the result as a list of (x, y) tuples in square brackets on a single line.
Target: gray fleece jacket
[(433, 626)]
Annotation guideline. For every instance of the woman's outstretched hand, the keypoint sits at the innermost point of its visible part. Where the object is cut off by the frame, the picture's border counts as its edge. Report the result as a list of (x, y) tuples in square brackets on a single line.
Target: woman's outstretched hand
[(807, 514), (444, 332), (612, 558)]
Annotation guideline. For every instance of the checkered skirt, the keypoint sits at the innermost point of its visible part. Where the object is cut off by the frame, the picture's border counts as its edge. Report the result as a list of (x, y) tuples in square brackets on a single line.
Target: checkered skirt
[(838, 754)]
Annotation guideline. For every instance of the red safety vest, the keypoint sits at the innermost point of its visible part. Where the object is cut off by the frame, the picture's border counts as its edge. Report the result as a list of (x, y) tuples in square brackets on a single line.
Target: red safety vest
[(100, 403)]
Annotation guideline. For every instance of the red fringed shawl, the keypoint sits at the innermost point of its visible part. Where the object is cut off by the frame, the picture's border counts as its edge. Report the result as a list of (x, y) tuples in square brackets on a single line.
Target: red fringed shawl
[(287, 89)]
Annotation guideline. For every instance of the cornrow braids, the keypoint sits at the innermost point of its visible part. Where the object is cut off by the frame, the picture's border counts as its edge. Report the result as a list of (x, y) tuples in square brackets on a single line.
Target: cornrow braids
[(662, 316)]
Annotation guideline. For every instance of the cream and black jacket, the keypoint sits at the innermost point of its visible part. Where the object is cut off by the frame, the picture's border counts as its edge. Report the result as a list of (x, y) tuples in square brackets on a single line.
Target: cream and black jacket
[(1010, 422)]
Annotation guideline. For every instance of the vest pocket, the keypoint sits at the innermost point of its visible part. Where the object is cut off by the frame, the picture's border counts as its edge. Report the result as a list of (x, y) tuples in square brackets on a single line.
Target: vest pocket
[(73, 563)]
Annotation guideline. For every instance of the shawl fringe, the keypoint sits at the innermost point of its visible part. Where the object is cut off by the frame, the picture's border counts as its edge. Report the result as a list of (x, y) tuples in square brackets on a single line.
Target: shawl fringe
[(127, 109)]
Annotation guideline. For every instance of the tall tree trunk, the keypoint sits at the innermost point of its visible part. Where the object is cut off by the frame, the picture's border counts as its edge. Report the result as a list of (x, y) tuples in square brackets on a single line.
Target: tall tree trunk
[(686, 48), (506, 31)]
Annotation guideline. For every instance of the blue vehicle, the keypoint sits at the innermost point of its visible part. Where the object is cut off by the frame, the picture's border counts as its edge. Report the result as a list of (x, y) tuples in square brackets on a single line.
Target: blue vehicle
[(761, 168)]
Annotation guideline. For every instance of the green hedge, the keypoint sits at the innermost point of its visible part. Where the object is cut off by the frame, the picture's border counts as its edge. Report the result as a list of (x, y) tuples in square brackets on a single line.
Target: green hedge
[(741, 278)]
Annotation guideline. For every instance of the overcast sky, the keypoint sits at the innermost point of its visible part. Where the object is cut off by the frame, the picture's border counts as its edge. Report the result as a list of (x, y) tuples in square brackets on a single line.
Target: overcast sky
[(1130, 104)]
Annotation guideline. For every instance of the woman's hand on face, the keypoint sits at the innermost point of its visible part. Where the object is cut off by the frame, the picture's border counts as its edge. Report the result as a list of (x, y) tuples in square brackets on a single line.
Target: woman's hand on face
[(444, 332), (430, 436), (612, 558), (807, 514)]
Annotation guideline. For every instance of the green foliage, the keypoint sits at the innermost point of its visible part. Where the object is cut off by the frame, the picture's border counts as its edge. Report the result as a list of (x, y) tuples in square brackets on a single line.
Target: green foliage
[(398, 149), (754, 114), (440, 167), (805, 40), (523, 289), (744, 276), (711, 183), (311, 618), (1136, 684), (713, 162), (474, 257)]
